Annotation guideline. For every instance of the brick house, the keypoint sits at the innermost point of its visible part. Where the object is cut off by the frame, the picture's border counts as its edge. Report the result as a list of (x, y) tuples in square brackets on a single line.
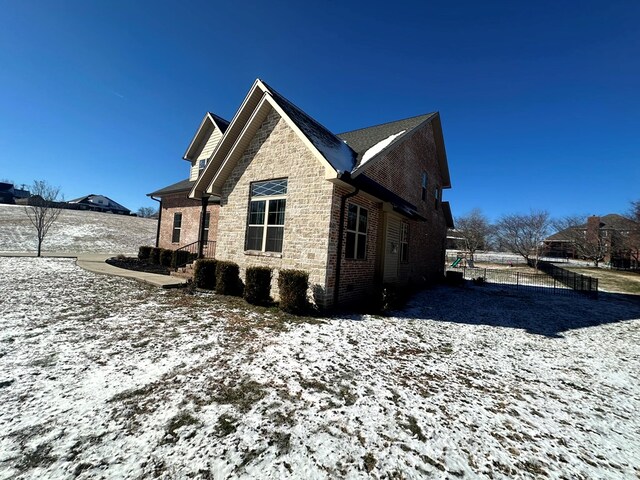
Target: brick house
[(274, 187), (612, 239)]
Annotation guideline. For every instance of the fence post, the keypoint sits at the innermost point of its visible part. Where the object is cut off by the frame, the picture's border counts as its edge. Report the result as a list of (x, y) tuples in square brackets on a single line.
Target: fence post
[(554, 284), (517, 279)]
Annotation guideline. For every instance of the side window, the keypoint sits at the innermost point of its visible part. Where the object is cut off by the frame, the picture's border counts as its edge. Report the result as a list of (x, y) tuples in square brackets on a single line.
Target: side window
[(177, 226), (357, 221), (424, 186), (265, 222), (404, 242), (205, 228), (202, 164)]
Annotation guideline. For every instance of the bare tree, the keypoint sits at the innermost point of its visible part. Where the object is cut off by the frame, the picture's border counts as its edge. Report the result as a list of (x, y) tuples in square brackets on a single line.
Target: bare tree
[(631, 239), (147, 212), (523, 233), (475, 229), (590, 244), (634, 211), (43, 209)]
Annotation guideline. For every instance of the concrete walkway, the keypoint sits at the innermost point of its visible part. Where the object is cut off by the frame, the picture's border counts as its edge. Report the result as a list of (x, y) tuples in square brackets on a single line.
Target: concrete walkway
[(96, 263)]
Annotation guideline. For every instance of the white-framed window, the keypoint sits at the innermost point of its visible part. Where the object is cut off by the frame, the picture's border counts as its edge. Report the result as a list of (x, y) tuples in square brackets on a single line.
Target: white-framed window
[(357, 221), (177, 226), (424, 185), (404, 242), (265, 222), (205, 227), (201, 164)]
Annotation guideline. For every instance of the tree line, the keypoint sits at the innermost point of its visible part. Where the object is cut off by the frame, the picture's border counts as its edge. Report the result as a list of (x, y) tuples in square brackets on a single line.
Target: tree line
[(524, 234)]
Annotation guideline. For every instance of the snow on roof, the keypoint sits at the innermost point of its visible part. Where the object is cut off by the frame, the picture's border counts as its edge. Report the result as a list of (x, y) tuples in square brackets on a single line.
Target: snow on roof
[(378, 147), (341, 157)]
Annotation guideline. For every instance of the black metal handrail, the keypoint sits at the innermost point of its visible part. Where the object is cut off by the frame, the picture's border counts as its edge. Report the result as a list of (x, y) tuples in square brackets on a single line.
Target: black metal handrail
[(193, 251)]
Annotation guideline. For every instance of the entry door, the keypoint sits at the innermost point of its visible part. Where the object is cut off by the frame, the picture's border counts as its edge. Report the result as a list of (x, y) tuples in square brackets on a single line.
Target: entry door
[(391, 249)]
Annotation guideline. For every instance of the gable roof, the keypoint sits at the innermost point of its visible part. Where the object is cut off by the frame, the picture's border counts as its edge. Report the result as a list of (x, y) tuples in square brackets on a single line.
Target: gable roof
[(364, 139), (329, 149), (372, 143), (210, 121), (182, 186), (612, 221), (338, 155), (87, 200)]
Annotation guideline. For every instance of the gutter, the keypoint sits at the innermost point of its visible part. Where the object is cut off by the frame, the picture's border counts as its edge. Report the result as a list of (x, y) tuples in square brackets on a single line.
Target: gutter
[(343, 203), (159, 200)]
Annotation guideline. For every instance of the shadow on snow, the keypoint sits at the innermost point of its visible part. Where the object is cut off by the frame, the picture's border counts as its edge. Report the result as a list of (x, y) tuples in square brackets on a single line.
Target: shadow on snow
[(536, 312)]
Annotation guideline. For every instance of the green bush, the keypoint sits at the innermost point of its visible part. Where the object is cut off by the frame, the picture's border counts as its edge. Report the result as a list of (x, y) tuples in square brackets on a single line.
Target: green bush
[(154, 255), (144, 252), (165, 257), (228, 279), (293, 286), (180, 258), (204, 273), (258, 285)]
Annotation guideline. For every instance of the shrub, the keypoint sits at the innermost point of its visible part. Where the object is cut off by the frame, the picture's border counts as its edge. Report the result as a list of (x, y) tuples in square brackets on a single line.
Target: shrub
[(228, 279), (204, 273), (154, 255), (180, 258), (165, 257), (144, 252), (258, 285), (293, 286)]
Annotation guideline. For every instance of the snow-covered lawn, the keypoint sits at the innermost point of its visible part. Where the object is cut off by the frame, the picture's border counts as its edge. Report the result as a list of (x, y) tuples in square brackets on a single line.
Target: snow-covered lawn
[(103, 377), (76, 231)]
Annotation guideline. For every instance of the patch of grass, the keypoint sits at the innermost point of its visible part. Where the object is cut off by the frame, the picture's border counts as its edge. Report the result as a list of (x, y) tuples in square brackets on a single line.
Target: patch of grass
[(612, 280), (183, 419), (412, 426), (226, 425), (242, 395), (369, 462), (38, 457)]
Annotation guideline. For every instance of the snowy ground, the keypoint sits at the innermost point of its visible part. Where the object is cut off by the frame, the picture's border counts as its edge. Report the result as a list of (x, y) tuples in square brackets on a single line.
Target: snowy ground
[(76, 231), (102, 377)]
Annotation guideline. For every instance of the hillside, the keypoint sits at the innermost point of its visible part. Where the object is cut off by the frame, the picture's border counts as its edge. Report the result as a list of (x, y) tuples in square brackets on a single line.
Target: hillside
[(76, 231)]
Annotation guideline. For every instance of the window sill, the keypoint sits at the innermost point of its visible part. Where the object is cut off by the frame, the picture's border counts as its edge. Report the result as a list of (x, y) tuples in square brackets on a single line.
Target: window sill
[(258, 253)]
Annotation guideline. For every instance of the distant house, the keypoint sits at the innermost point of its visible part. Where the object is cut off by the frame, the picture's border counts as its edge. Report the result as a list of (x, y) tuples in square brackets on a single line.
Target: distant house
[(610, 238), (9, 194), (274, 187), (98, 203)]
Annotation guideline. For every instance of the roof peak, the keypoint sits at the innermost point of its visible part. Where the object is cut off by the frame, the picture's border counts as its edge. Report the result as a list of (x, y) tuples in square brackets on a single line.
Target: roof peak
[(425, 115)]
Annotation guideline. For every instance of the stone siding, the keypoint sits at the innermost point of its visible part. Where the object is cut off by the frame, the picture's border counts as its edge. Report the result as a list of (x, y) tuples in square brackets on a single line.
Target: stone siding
[(277, 152)]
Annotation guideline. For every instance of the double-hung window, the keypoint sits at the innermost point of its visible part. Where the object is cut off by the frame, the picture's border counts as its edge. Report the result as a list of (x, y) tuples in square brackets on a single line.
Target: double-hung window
[(265, 225), (404, 242), (177, 226), (357, 220), (205, 227)]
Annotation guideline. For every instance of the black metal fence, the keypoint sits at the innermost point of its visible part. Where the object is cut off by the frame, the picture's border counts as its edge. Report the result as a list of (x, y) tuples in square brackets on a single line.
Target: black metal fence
[(575, 281), (566, 282)]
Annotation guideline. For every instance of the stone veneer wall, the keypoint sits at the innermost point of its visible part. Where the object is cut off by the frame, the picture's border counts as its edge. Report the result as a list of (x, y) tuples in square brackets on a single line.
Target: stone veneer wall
[(190, 210), (401, 172), (277, 152)]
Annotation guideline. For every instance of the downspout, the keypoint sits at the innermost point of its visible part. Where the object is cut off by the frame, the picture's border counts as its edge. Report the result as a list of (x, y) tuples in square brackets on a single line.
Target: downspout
[(343, 204), (203, 214), (159, 217)]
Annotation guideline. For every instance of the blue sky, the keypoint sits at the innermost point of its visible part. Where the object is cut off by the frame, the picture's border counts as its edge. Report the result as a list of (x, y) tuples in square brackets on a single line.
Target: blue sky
[(540, 101)]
